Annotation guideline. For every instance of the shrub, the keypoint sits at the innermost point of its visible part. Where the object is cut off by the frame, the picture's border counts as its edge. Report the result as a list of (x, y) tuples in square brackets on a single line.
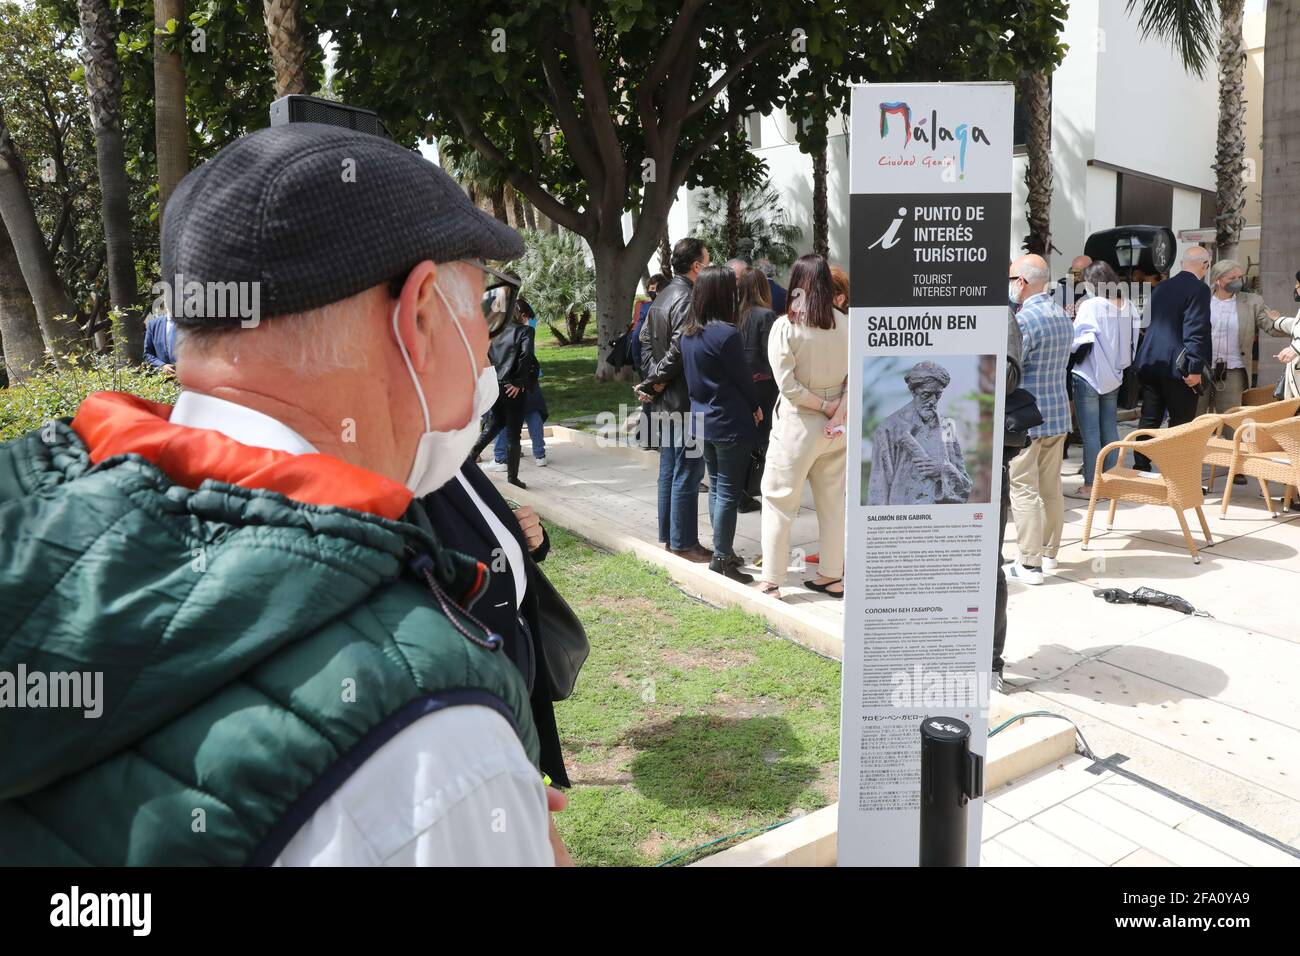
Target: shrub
[(56, 392), (558, 283)]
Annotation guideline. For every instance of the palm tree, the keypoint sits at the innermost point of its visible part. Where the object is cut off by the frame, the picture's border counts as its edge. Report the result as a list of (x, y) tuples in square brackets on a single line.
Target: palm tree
[(20, 333), (104, 94), (44, 286), (1280, 224), (1035, 91), (171, 131), (284, 33), (821, 243), (1230, 152)]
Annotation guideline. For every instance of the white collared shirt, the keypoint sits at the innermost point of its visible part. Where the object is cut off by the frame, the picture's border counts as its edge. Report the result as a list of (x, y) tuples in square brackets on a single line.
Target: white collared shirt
[(1223, 331), (455, 788)]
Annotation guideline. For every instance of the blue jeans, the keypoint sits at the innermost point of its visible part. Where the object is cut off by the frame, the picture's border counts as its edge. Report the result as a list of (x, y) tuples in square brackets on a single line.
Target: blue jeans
[(1096, 414), (535, 433), (679, 492), (728, 463)]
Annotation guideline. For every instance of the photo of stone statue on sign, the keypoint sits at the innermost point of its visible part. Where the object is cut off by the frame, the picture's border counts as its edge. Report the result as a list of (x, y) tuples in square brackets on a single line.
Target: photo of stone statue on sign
[(927, 435)]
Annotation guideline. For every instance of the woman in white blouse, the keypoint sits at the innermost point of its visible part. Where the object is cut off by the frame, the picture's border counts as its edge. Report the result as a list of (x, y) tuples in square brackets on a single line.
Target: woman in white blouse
[(1104, 326), (808, 349)]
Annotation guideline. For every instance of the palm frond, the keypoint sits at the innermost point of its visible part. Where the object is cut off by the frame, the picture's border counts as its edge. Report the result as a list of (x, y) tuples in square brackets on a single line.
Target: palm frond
[(1189, 26)]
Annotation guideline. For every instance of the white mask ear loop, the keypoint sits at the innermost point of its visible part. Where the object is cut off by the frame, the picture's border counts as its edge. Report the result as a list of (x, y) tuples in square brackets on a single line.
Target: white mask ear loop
[(469, 352)]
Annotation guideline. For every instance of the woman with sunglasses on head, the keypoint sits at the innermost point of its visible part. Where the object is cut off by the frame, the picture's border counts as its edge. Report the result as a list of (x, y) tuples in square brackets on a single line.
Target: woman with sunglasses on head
[(809, 353), (511, 350)]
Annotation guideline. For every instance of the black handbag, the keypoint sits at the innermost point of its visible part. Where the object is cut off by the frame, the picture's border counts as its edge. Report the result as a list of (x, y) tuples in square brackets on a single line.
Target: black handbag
[(560, 635), (1021, 413), (754, 476), (620, 354)]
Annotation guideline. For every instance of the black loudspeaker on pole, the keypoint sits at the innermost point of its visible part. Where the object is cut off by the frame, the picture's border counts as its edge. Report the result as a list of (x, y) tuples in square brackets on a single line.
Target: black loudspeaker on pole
[(951, 776)]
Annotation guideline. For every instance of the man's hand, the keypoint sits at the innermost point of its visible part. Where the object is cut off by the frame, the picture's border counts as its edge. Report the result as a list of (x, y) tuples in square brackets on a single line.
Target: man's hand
[(168, 370), (530, 525), (555, 802), (1273, 314), (1192, 381), (643, 397), (512, 391), (758, 416), (1287, 355)]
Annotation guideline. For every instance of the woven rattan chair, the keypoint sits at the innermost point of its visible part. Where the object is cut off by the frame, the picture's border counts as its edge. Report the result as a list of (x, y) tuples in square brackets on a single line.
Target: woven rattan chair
[(1219, 451), (1178, 453), (1282, 465), (1258, 396)]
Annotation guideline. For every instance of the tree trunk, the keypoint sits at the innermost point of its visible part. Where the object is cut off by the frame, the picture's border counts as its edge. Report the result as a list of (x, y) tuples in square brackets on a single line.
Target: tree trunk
[(498, 197), (732, 233), (284, 33), (48, 294), (821, 243), (665, 254), (517, 205), (20, 333), (530, 220), (1036, 95), (171, 130), (104, 93), (1230, 154), (615, 284), (1280, 195)]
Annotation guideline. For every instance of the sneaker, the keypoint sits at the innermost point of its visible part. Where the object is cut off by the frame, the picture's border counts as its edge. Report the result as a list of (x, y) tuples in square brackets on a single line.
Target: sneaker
[(540, 462), (495, 466), (1025, 575), (1050, 564)]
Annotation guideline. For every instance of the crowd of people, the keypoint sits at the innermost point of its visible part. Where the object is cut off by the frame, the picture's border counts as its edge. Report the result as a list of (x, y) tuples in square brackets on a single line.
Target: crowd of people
[(744, 379), (1085, 343)]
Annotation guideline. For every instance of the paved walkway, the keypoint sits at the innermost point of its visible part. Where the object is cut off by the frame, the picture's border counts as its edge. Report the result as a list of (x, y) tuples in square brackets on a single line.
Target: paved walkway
[(1208, 708)]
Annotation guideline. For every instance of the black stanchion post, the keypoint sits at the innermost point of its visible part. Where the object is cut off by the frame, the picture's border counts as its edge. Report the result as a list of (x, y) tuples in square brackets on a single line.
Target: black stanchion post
[(951, 776)]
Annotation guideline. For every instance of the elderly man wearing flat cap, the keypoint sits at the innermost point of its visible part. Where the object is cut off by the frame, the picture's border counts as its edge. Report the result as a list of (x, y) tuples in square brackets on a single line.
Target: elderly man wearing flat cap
[(292, 668), (916, 456)]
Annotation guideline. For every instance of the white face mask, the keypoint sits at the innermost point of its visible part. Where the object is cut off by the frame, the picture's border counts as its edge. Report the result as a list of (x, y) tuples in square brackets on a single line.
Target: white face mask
[(439, 455)]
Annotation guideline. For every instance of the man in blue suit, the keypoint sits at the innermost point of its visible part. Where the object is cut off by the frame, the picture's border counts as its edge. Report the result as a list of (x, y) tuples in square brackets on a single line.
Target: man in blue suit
[(160, 343), (1180, 326)]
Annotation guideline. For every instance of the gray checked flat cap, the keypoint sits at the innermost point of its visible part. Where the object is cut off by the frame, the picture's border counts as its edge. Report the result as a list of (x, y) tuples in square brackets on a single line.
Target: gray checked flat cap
[(313, 214)]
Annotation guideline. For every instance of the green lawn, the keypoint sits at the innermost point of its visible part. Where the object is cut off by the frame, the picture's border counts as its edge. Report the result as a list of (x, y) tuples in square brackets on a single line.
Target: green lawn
[(689, 722), (569, 382)]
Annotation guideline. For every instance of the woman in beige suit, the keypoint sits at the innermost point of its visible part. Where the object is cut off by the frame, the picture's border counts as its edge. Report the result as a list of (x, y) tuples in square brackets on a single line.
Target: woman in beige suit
[(808, 349)]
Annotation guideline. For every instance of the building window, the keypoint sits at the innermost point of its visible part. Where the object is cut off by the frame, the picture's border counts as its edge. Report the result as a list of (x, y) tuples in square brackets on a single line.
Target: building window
[(1143, 202)]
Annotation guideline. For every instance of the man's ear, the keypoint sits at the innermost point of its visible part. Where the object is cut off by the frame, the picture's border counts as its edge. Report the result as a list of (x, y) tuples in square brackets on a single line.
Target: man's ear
[(418, 312)]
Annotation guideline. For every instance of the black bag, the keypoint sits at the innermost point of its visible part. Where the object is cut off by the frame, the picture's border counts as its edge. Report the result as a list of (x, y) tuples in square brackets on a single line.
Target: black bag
[(620, 354), (560, 635), (1022, 414)]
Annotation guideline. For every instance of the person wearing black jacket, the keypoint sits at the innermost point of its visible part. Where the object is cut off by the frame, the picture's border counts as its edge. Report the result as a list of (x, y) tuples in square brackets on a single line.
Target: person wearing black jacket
[(469, 515), (1180, 329), (681, 463), (511, 352), (1013, 443), (755, 325)]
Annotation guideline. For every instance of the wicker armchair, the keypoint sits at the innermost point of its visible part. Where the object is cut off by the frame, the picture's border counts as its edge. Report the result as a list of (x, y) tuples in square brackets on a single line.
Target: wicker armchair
[(1219, 451), (1178, 453), (1258, 396), (1282, 465)]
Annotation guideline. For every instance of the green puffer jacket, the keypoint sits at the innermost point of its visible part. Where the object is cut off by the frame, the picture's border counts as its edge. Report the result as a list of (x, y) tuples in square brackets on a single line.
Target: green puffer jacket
[(253, 649)]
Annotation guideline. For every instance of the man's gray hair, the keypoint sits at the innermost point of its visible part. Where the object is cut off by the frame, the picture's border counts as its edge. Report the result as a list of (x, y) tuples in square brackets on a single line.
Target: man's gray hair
[(1033, 274), (318, 340), (1196, 255)]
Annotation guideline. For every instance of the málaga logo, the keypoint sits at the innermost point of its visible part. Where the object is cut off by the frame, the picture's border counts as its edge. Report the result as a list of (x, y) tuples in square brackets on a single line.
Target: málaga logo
[(929, 132)]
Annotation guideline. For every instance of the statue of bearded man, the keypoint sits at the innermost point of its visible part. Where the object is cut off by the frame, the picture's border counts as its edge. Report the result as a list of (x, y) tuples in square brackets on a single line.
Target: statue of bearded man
[(916, 456)]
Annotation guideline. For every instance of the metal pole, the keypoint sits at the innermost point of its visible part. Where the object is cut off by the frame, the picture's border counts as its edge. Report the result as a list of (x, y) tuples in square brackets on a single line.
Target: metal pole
[(951, 776)]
